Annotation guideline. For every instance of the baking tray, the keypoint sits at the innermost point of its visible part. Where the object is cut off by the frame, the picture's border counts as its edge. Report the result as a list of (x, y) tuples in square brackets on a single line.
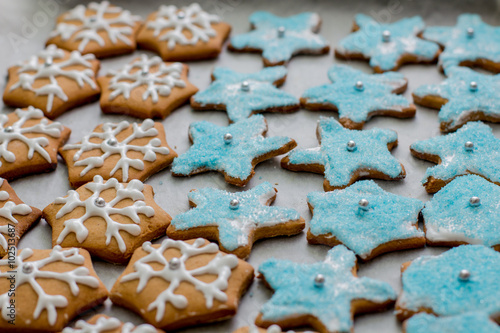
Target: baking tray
[(19, 40)]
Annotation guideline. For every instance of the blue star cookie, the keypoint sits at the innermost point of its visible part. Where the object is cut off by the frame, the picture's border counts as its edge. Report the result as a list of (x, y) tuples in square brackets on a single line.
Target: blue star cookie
[(470, 43), (366, 219), (243, 94), (233, 150), (473, 149), (344, 155), (280, 38), (235, 220), (324, 295), (473, 322), (467, 210), (358, 96), (464, 96), (461, 280), (387, 46)]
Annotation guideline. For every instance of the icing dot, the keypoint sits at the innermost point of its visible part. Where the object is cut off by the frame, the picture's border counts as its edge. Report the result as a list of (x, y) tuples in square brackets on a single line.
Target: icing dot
[(351, 145), (359, 86), (228, 138), (28, 268), (8, 129), (475, 201), (470, 32), (174, 264), (363, 204), (181, 14), (100, 202), (234, 204), (112, 142), (473, 86), (464, 275), (469, 146), (386, 36), (319, 280), (281, 32), (245, 86)]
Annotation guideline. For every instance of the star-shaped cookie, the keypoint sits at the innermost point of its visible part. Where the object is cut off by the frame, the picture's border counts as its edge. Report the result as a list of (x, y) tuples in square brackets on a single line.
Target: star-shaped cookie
[(243, 94), (387, 46), (105, 324), (235, 220), (470, 43), (358, 96), (183, 34), (473, 149), (53, 81), (344, 155), (29, 143), (324, 295), (177, 284), (100, 28), (280, 38), (366, 219), (46, 289), (461, 280), (472, 322), (464, 96), (467, 210), (146, 88), (233, 150), (123, 150)]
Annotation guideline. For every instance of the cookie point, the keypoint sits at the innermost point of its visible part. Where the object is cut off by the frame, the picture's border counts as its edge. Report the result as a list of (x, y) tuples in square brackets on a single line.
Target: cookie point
[(386, 36), (234, 204), (351, 145), (464, 275), (319, 280), (475, 201)]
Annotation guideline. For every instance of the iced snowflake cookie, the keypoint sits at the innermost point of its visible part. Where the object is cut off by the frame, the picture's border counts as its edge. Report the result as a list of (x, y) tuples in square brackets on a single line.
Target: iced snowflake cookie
[(473, 149), (105, 324), (50, 288), (366, 219), (53, 81), (358, 96), (107, 218), (461, 280), (387, 46), (470, 43), (464, 96), (280, 38), (123, 150), (324, 295), (270, 329), (15, 217), (146, 88), (465, 211), (233, 150), (345, 156), (99, 28), (183, 34), (29, 143), (177, 284), (235, 220), (242, 95), (473, 322)]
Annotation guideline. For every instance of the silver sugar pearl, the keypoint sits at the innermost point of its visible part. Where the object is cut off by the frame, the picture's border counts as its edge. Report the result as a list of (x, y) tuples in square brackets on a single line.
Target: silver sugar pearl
[(28, 268), (181, 15), (473, 86), (100, 202), (144, 72), (92, 19), (281, 32), (228, 138), (386, 36), (475, 201), (48, 63), (359, 86), (351, 145), (112, 142), (245, 86), (469, 146), (363, 204), (234, 204), (319, 280), (8, 129), (464, 275), (470, 32), (174, 264)]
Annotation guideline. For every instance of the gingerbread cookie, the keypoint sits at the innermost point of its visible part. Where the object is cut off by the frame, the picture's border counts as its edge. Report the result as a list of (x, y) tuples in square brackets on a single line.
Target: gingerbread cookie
[(183, 34), (473, 322), (470, 43), (99, 28), (323, 295), (146, 88), (53, 81), (242, 95), (270, 329), (344, 155), (461, 280), (278, 39), (128, 211), (465, 211), (15, 217), (387, 46), (366, 219), (473, 149), (123, 150), (105, 324), (358, 96), (29, 143), (464, 96), (233, 150), (177, 284), (235, 220), (42, 290)]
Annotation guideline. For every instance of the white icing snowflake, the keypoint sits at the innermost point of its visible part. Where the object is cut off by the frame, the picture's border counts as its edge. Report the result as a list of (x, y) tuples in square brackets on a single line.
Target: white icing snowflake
[(43, 67), (111, 146), (161, 82), (175, 272), (192, 19), (115, 21), (16, 131), (95, 206), (29, 271), (105, 324), (7, 211)]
